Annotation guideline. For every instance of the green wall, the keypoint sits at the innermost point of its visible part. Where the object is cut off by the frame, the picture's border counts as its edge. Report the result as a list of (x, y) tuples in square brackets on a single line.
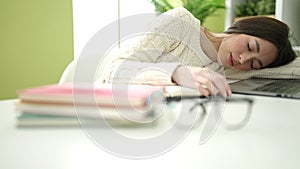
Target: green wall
[(36, 43)]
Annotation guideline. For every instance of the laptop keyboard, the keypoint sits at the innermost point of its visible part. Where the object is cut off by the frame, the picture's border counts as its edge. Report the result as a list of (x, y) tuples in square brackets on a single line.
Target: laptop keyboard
[(282, 86)]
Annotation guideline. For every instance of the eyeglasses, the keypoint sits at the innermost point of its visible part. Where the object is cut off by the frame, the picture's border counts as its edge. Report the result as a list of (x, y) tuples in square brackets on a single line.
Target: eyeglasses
[(197, 107)]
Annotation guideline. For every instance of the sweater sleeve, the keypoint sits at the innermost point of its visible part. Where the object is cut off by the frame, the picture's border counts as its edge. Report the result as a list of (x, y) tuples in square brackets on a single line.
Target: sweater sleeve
[(135, 72), (148, 60)]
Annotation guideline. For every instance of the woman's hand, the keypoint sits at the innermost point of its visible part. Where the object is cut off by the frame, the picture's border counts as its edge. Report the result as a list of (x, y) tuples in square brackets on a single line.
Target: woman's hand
[(205, 80)]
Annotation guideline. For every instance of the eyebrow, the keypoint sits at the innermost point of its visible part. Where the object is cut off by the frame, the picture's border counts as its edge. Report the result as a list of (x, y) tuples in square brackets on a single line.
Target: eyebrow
[(258, 50)]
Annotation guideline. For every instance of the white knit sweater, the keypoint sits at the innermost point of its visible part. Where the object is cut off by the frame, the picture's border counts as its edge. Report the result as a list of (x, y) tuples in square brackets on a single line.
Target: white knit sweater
[(173, 40)]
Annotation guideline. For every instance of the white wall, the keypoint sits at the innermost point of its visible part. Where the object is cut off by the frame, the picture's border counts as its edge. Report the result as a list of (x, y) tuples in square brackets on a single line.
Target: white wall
[(288, 11), (230, 11), (90, 16)]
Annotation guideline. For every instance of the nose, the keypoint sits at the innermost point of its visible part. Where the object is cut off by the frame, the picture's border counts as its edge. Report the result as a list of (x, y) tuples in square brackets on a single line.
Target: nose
[(245, 57)]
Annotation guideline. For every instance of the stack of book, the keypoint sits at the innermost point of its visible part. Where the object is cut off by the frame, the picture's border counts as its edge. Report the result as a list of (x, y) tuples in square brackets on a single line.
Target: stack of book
[(74, 104)]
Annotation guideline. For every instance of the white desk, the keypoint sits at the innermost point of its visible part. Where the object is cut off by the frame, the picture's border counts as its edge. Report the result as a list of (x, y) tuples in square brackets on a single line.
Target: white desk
[(270, 140)]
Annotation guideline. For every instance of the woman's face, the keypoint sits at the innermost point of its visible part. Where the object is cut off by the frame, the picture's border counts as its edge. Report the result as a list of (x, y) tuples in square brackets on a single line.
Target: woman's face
[(246, 52)]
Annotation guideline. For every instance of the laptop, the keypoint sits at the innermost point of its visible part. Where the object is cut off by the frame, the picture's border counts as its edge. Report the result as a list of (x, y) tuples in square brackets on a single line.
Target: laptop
[(287, 88)]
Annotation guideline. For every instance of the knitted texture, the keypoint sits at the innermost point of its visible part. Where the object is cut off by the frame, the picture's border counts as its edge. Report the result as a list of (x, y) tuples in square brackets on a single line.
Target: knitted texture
[(173, 39)]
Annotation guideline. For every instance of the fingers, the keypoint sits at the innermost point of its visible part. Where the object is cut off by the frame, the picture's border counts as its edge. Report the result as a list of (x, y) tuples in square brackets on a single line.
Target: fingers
[(205, 86), (205, 80), (212, 83), (228, 90), (203, 90)]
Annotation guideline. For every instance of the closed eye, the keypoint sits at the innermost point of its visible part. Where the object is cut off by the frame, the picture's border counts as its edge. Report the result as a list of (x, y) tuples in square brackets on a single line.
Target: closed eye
[(251, 64), (256, 64), (248, 46)]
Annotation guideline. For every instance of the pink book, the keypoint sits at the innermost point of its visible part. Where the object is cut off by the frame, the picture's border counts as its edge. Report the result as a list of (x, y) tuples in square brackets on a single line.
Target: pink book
[(115, 95)]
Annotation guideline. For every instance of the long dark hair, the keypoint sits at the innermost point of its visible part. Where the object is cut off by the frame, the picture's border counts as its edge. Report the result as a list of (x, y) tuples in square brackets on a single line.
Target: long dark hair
[(269, 29)]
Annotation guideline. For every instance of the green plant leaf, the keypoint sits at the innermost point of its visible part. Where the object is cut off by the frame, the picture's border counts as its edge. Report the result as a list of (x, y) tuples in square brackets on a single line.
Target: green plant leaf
[(255, 7), (201, 9)]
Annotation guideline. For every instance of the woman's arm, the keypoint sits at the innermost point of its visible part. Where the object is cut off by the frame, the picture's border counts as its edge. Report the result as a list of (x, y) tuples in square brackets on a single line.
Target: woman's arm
[(135, 72), (207, 81)]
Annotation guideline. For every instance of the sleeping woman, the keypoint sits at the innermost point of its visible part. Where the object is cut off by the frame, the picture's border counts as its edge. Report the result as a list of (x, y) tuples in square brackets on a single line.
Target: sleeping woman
[(179, 51)]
